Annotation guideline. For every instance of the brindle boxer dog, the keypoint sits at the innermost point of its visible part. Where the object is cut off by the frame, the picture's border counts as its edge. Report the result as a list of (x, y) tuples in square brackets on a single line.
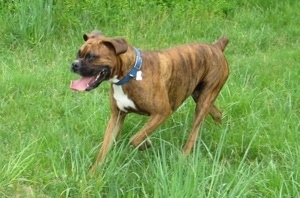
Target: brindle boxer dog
[(153, 83)]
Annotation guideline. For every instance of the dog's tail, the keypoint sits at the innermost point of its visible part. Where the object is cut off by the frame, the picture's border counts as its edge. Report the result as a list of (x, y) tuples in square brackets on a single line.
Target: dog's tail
[(221, 43)]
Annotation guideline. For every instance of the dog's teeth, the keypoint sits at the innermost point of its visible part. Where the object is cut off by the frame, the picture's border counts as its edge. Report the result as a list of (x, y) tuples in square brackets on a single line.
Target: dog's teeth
[(97, 76)]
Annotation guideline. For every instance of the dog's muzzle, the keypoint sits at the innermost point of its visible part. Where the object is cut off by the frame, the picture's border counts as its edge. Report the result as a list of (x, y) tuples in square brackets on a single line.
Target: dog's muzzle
[(90, 78)]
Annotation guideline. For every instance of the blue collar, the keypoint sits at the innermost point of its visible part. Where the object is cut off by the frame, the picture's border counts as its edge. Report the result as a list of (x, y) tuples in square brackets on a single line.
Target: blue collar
[(133, 72)]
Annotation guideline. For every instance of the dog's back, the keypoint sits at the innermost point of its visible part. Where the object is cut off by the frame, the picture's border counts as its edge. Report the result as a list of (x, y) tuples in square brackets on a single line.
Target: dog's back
[(181, 70)]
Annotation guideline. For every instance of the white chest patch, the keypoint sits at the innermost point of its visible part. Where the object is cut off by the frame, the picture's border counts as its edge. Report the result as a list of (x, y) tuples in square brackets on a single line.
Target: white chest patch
[(122, 99)]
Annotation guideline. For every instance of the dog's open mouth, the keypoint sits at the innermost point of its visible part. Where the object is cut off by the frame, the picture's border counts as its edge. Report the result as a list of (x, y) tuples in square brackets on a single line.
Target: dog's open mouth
[(87, 83)]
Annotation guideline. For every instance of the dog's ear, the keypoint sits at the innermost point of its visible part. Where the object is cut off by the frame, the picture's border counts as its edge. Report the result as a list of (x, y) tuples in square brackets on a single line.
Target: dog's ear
[(120, 45), (93, 34)]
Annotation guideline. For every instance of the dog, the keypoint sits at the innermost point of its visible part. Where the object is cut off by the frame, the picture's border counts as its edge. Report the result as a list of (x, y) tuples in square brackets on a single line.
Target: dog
[(152, 83)]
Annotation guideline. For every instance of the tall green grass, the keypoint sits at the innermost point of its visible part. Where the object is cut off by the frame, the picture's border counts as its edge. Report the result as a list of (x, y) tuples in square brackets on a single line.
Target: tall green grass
[(50, 136)]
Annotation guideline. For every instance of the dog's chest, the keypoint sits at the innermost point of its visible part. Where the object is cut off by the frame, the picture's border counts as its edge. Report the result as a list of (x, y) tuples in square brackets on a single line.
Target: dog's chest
[(122, 100)]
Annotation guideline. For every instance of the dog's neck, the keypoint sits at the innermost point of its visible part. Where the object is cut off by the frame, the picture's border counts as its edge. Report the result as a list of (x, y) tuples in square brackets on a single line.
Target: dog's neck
[(135, 70)]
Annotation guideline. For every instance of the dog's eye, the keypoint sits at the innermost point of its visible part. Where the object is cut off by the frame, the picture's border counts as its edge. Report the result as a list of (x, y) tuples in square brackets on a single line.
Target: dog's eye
[(89, 58)]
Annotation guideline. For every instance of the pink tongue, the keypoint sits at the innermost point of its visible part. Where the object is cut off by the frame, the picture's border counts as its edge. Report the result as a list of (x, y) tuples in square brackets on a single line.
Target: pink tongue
[(81, 84)]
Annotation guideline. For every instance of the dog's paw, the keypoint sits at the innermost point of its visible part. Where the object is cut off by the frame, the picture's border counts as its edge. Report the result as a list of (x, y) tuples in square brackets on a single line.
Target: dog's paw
[(145, 145), (141, 145)]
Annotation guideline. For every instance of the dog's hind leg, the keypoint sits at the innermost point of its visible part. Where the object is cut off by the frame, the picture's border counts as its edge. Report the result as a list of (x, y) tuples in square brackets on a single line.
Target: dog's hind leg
[(111, 133), (214, 111), (204, 105)]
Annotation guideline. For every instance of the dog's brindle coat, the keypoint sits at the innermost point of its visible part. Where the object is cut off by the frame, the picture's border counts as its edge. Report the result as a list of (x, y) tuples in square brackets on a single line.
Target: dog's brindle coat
[(168, 78)]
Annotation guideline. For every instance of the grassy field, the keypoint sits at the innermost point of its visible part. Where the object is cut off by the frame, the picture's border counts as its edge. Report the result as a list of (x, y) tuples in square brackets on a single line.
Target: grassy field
[(50, 135)]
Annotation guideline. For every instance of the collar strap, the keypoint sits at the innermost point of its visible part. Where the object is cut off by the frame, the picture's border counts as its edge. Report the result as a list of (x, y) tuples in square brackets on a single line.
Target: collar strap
[(133, 72)]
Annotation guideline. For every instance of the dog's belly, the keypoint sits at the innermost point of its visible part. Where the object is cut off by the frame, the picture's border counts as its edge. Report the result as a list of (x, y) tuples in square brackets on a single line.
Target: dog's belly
[(122, 100)]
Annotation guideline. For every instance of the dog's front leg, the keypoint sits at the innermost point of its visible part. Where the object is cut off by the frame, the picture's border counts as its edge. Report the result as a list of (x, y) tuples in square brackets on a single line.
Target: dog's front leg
[(111, 133), (154, 121)]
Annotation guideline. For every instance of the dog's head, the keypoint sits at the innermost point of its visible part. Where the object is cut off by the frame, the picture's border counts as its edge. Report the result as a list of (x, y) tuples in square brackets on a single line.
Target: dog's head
[(96, 60)]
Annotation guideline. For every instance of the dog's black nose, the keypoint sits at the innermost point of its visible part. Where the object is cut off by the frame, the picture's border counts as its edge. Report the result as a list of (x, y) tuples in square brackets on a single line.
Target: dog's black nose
[(75, 65)]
